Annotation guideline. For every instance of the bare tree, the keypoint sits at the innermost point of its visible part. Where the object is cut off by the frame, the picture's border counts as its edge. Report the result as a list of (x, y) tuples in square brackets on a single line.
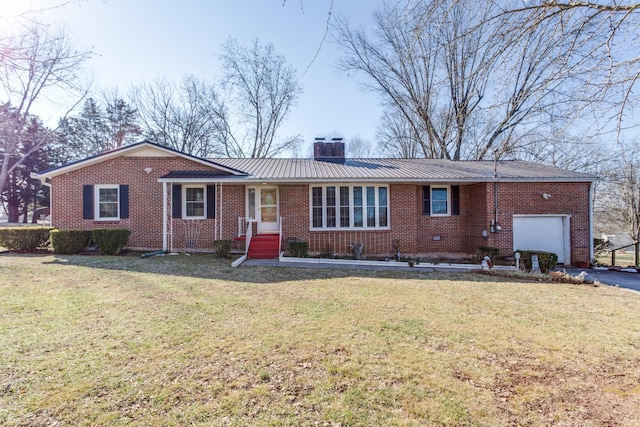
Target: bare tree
[(601, 37), (465, 88), (359, 147), (190, 118), (619, 203), (263, 90), (32, 65), (397, 138)]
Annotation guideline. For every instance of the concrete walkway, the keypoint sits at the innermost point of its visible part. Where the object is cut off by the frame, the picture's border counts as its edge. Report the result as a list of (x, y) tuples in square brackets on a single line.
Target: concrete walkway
[(276, 263)]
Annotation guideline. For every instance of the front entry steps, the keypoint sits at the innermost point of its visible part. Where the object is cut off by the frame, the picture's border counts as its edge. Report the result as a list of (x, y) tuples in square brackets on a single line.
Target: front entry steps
[(264, 246)]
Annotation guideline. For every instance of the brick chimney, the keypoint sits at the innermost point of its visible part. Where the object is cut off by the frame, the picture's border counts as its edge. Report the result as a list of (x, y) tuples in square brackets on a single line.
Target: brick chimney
[(332, 151)]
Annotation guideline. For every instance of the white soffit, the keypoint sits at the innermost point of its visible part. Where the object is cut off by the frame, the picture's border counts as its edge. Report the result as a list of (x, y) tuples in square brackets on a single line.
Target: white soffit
[(150, 152)]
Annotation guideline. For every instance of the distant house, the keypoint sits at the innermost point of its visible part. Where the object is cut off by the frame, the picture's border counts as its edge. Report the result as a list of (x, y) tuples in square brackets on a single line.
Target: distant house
[(169, 200), (619, 240)]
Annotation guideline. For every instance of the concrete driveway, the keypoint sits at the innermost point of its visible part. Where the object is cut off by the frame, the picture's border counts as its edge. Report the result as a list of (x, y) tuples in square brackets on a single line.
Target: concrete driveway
[(613, 278)]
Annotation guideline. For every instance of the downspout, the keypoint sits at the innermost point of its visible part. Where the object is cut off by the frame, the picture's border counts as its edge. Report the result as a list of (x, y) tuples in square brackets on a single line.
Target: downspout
[(495, 227), (591, 195), (164, 216), (495, 204)]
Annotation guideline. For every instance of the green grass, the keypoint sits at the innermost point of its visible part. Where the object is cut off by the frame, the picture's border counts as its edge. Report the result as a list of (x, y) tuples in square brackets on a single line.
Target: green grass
[(625, 259), (93, 340)]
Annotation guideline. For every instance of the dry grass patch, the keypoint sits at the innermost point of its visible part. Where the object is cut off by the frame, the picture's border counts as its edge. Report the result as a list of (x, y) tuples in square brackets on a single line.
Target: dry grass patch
[(190, 341)]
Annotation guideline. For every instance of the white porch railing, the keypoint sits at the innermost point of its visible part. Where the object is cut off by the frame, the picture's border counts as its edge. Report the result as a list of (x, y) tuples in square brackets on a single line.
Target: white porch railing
[(243, 224), (248, 235)]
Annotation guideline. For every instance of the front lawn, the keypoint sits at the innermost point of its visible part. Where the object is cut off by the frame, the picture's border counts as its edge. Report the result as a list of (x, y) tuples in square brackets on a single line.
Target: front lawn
[(179, 340)]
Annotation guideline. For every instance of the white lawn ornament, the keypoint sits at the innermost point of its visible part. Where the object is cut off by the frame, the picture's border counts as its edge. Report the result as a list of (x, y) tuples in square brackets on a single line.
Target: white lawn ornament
[(486, 263)]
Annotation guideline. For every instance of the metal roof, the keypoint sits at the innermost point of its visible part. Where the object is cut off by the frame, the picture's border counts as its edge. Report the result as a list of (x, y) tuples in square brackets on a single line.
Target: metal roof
[(351, 170), (409, 170)]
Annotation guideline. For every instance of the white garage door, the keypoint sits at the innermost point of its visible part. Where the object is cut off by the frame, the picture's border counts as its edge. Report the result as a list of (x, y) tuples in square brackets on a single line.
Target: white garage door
[(542, 233)]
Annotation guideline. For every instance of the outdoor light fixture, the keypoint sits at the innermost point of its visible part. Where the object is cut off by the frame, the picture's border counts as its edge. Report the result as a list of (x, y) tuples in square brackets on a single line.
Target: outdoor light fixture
[(148, 170), (546, 196)]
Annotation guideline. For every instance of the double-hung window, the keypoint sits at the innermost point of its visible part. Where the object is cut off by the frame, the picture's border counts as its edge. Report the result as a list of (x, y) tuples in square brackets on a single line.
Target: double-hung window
[(349, 207), (107, 202), (194, 202), (441, 200)]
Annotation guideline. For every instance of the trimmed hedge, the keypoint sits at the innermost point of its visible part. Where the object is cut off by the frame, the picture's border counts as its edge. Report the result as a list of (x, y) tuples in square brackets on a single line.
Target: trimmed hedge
[(24, 238), (299, 249), (222, 248), (110, 240), (547, 260), (69, 242)]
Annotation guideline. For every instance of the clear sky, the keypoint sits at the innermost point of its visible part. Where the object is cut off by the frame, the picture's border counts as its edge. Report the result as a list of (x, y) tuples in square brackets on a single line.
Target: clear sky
[(141, 39)]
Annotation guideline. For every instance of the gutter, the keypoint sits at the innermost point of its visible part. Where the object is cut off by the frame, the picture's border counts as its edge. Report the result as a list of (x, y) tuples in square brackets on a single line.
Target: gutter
[(330, 180)]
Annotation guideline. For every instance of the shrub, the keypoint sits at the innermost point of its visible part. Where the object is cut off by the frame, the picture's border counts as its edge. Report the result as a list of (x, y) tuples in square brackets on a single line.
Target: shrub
[(24, 238), (547, 260), (69, 242), (489, 251), (356, 250), (327, 252), (222, 248), (600, 246), (110, 240), (299, 249)]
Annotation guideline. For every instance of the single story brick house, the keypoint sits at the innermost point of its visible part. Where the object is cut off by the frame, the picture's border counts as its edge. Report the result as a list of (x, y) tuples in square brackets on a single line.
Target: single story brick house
[(170, 200)]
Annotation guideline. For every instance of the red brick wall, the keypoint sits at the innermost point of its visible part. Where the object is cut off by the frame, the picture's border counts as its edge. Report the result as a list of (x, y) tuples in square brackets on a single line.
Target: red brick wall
[(294, 210), (477, 211), (526, 199), (145, 201), (443, 234), (458, 233)]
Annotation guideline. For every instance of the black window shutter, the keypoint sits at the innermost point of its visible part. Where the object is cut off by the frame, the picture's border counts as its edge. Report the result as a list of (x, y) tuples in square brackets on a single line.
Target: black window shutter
[(176, 201), (426, 200), (124, 201), (211, 201), (87, 201), (455, 200)]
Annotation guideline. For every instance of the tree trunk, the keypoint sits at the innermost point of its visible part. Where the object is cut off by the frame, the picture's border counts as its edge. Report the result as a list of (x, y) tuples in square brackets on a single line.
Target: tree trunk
[(13, 213)]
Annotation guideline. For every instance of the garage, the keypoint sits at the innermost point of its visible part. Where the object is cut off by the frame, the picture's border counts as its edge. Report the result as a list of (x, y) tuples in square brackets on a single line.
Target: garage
[(548, 233)]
